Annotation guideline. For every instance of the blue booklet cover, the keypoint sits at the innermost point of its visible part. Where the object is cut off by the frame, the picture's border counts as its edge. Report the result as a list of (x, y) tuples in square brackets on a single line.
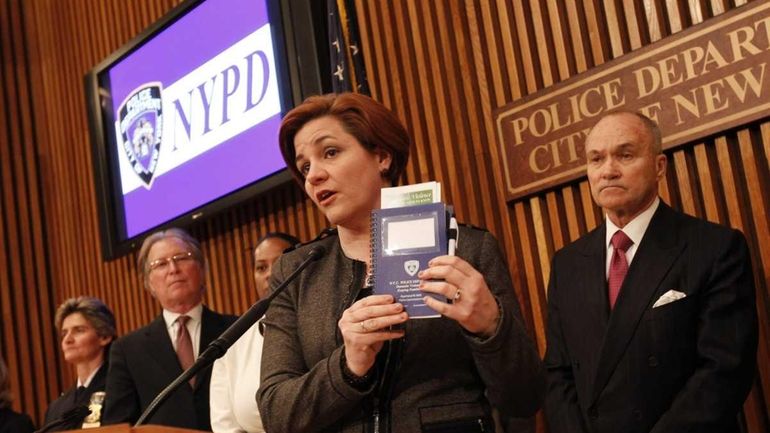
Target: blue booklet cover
[(404, 240)]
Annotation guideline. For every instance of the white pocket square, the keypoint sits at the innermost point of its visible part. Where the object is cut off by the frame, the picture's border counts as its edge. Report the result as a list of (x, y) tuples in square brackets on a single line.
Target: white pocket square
[(669, 297)]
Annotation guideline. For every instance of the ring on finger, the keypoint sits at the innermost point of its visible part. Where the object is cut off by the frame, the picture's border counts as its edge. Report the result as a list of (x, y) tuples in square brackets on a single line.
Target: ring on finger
[(456, 297), (362, 325)]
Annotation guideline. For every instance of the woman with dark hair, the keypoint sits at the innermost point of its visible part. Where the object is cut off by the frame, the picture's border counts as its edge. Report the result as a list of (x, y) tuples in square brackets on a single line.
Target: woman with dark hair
[(235, 376), (10, 421), (337, 357), (87, 328)]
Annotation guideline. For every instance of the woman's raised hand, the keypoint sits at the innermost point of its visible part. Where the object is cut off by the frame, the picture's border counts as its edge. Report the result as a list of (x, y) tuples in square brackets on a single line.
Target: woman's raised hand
[(473, 305), (365, 327)]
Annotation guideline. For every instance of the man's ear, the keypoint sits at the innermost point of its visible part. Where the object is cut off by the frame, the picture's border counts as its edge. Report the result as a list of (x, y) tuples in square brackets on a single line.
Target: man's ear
[(660, 165), (149, 288)]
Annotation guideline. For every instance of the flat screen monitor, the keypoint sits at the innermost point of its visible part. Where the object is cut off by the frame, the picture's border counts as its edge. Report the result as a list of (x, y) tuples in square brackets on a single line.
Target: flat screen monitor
[(185, 117)]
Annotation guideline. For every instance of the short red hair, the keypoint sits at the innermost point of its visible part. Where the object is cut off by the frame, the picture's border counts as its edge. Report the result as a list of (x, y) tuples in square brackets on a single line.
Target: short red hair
[(370, 122)]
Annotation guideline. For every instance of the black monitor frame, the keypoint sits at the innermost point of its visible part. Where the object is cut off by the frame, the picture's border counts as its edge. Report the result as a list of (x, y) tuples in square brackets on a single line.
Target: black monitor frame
[(296, 45)]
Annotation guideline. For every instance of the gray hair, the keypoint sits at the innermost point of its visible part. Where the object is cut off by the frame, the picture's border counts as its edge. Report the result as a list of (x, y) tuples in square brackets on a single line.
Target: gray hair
[(649, 124), (93, 310), (144, 252)]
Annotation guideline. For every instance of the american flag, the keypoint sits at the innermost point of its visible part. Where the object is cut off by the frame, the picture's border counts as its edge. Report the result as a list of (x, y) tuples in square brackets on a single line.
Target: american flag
[(347, 61)]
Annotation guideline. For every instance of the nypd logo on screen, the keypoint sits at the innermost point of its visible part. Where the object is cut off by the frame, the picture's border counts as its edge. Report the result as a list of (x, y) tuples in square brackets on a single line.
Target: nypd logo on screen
[(161, 128), (140, 124)]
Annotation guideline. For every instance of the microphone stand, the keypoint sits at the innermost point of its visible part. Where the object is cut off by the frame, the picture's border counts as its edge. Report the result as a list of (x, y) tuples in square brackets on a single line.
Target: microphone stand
[(217, 348)]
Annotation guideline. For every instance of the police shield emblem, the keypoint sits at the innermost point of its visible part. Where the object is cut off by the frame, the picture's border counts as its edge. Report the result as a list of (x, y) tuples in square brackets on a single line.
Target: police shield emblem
[(139, 127), (94, 419), (411, 267)]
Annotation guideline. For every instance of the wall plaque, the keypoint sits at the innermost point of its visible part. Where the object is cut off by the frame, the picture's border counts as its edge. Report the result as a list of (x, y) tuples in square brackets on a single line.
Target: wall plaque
[(703, 80)]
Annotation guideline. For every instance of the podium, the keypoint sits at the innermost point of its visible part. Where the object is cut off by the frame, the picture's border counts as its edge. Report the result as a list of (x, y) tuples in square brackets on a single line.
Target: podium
[(127, 428)]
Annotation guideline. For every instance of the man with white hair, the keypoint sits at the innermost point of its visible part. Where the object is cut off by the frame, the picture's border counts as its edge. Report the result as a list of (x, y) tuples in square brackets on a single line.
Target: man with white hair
[(145, 361)]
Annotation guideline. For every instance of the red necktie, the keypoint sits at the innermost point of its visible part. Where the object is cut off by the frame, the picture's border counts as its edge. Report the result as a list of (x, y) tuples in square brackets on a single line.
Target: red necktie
[(618, 264), (184, 348)]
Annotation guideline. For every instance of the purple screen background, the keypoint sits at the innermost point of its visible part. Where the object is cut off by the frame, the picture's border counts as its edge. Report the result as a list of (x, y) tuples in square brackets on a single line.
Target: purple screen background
[(190, 42)]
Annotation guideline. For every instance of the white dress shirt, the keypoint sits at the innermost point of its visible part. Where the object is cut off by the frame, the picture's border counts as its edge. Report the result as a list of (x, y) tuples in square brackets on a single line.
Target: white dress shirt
[(635, 230), (234, 384), (193, 326), (90, 377)]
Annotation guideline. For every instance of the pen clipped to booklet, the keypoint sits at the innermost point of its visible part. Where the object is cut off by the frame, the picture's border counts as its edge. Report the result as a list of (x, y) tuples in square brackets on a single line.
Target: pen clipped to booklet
[(454, 233), (410, 229)]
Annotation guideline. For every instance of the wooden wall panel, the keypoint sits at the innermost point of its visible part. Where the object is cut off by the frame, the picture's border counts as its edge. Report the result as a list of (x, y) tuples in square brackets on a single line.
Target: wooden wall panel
[(442, 65), (26, 340), (504, 50)]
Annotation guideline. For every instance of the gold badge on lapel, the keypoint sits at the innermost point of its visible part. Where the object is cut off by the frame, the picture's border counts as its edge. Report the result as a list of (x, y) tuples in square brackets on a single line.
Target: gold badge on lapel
[(94, 419)]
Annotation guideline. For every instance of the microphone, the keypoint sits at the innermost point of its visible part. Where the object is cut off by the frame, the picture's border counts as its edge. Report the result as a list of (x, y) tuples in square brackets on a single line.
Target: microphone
[(218, 347), (76, 415)]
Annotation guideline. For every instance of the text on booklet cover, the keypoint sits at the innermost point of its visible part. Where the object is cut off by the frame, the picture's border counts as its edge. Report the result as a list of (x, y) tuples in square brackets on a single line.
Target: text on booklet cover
[(404, 240)]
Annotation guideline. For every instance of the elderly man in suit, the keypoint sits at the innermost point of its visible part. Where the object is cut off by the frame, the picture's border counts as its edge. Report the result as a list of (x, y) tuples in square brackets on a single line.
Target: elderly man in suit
[(652, 324), (145, 361)]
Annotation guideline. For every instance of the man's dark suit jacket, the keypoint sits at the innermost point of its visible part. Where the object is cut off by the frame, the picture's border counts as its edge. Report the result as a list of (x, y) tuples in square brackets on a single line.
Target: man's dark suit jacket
[(144, 362), (686, 366), (71, 399)]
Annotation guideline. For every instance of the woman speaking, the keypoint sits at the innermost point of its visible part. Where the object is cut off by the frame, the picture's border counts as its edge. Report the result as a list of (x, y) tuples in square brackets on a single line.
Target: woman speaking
[(337, 357)]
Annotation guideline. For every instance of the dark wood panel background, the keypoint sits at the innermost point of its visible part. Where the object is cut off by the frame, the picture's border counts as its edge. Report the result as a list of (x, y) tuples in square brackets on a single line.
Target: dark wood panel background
[(442, 66)]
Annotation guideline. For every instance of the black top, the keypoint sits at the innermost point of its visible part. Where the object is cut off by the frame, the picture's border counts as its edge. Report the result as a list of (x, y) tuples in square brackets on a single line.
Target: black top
[(14, 422), (143, 362), (73, 398)]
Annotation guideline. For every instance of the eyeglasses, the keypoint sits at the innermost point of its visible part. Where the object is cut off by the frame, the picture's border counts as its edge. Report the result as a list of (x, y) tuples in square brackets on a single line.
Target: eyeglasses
[(162, 265)]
